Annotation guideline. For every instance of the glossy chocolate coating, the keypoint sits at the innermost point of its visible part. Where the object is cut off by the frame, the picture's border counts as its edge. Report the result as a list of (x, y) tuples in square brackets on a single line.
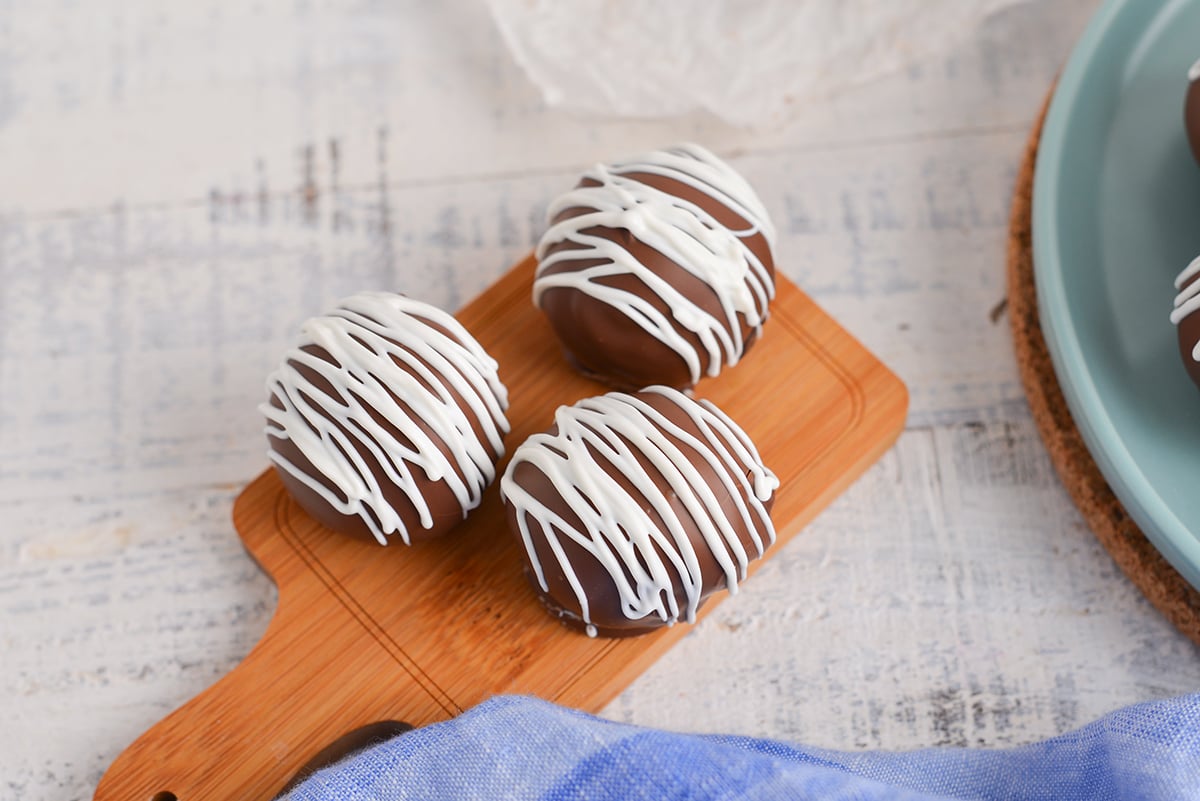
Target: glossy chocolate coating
[(387, 419), (444, 506), (1191, 117), (605, 344), (605, 611), (1188, 332)]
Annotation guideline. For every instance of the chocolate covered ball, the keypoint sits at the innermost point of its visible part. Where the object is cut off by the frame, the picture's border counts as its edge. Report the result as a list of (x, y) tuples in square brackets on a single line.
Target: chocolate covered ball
[(387, 419), (657, 269), (634, 508), (1191, 110), (1186, 317)]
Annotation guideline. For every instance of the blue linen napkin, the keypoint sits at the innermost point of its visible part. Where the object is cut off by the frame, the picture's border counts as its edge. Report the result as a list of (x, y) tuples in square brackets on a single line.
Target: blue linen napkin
[(521, 748)]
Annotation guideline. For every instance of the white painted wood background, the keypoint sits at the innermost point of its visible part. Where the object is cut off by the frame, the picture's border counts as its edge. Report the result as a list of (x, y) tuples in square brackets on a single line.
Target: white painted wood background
[(181, 184)]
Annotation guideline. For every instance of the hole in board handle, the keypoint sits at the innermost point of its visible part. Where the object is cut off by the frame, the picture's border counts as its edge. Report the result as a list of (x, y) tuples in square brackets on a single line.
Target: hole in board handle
[(165, 795)]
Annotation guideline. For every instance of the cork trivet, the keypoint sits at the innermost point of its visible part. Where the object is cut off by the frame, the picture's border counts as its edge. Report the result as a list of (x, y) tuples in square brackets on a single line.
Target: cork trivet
[(1107, 518)]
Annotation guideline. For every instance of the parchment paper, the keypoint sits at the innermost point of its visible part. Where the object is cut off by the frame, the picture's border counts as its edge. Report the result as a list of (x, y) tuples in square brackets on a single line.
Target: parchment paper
[(753, 63)]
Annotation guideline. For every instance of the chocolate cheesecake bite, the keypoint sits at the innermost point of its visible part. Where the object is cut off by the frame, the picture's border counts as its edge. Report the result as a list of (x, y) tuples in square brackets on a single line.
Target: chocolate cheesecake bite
[(1186, 317), (1187, 284), (634, 508), (657, 269), (386, 419)]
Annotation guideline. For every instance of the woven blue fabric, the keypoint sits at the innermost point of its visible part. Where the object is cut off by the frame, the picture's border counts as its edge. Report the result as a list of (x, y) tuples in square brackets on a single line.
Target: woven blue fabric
[(522, 748)]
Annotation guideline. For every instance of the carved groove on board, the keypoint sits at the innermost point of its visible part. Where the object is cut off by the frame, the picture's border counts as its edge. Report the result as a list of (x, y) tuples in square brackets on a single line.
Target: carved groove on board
[(853, 389), (284, 509)]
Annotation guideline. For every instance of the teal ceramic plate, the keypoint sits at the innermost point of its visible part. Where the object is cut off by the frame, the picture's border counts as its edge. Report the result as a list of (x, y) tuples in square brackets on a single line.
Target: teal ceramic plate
[(1116, 215)]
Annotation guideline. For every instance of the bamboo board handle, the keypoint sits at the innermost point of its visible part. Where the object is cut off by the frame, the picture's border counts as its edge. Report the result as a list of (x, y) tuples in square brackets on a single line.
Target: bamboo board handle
[(299, 689)]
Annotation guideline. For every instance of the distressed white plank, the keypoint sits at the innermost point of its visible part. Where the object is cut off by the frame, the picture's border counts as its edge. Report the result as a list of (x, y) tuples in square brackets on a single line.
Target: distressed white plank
[(182, 185), (115, 610), (145, 102)]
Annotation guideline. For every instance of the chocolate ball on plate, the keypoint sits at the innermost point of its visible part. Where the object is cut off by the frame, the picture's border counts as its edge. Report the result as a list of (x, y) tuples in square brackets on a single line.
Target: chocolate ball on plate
[(1191, 110), (1186, 317)]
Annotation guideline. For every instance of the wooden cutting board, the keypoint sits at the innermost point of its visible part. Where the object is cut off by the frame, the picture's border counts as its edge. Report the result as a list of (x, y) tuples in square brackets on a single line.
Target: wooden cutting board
[(364, 633)]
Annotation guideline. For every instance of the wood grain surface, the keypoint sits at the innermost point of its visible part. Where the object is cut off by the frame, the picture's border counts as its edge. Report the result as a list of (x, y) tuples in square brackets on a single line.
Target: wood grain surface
[(364, 634), (181, 184)]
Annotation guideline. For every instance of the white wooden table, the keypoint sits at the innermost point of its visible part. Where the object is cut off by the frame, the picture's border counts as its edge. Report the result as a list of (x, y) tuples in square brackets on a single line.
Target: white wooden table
[(182, 184)]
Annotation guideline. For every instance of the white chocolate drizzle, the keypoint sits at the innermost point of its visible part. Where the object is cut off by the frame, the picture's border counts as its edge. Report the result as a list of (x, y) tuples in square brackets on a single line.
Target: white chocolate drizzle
[(1187, 302), (626, 536), (682, 232), (391, 367)]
